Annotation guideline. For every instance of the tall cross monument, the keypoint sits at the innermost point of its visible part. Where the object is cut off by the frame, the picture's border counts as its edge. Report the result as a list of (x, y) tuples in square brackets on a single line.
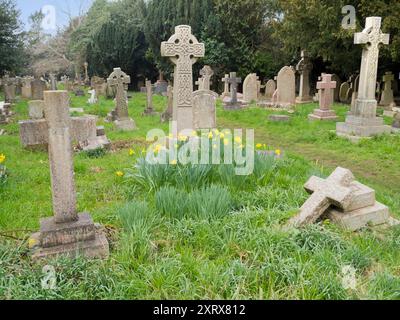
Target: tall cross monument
[(184, 50), (362, 122)]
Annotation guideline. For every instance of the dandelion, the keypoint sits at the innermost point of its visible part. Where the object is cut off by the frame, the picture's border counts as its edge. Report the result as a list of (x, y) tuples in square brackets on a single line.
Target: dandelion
[(119, 174), (278, 152), (131, 152), (2, 158)]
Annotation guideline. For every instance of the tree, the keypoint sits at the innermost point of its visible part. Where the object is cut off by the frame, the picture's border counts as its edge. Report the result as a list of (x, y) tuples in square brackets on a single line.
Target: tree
[(12, 55)]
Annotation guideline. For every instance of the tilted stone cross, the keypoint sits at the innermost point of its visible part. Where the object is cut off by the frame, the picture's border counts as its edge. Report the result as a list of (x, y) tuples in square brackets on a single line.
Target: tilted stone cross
[(206, 73), (119, 79), (335, 190), (183, 49), (233, 81), (372, 37), (326, 85)]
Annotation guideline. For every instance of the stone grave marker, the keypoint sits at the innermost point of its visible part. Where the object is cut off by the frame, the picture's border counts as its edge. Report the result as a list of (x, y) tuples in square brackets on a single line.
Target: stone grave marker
[(304, 68), (336, 93), (206, 73), (326, 88), (344, 88), (93, 97), (286, 86), (119, 79), (362, 121), (149, 111), (183, 49), (36, 109), (38, 87), (233, 103), (250, 88), (226, 92), (270, 88), (167, 115), (26, 90), (204, 109), (67, 232), (387, 97)]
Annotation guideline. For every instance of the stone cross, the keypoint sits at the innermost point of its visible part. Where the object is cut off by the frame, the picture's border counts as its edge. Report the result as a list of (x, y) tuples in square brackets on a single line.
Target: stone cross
[(206, 73), (372, 37), (326, 85), (149, 99), (226, 86), (183, 49), (93, 96), (387, 93), (119, 79), (67, 232), (335, 190), (233, 81), (304, 67)]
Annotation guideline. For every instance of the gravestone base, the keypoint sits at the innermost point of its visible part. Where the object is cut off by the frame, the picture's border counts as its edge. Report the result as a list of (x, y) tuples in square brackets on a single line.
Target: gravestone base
[(111, 117), (323, 115), (125, 124), (375, 215), (356, 128), (70, 239), (264, 103)]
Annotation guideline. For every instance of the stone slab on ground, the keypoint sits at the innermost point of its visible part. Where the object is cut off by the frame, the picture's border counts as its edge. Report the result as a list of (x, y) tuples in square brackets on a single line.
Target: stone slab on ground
[(279, 118)]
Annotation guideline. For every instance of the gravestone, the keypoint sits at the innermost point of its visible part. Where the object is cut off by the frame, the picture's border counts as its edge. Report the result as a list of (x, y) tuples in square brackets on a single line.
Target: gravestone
[(206, 72), (270, 88), (53, 81), (326, 90), (183, 49), (362, 121), (354, 92), (149, 111), (226, 92), (279, 118), (36, 109), (250, 88), (335, 190), (336, 92), (93, 97), (233, 103), (396, 120), (119, 79), (38, 87), (167, 115), (200, 83), (26, 90), (87, 79), (304, 68), (286, 86), (161, 86), (344, 88), (387, 97), (204, 109), (67, 232), (5, 112), (9, 89)]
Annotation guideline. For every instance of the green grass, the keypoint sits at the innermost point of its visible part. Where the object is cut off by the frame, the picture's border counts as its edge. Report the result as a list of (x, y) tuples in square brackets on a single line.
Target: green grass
[(232, 249)]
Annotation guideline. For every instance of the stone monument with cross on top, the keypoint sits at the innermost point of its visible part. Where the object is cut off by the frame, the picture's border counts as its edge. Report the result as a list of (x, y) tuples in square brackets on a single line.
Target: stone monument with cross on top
[(304, 67), (120, 116), (184, 50), (362, 122), (325, 87), (233, 81), (206, 72)]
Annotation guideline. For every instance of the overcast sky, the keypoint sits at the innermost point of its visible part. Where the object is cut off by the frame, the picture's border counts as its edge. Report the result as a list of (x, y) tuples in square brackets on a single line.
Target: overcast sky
[(62, 9)]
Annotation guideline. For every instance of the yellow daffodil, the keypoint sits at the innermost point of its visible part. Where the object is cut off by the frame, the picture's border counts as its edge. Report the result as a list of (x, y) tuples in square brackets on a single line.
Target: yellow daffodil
[(226, 142), (119, 174), (278, 152), (210, 135), (258, 145), (238, 140), (222, 136), (182, 138), (174, 162), (2, 158), (131, 152)]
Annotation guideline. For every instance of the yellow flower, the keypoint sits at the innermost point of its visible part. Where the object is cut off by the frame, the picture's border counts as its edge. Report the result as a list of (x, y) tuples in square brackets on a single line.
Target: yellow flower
[(131, 152), (174, 162), (119, 174), (210, 135), (278, 152), (226, 142), (222, 136), (32, 242), (2, 158), (238, 140), (259, 145), (216, 132), (194, 133), (182, 138)]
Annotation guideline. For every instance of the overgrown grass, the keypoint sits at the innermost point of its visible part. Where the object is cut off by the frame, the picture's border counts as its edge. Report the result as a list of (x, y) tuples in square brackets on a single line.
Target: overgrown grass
[(169, 243)]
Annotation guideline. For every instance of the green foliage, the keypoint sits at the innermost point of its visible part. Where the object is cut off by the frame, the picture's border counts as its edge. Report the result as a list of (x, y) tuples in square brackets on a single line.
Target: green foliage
[(95, 153), (136, 216), (3, 175)]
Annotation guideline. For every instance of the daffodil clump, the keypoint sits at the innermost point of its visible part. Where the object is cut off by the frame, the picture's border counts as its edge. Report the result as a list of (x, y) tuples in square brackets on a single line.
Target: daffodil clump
[(3, 169)]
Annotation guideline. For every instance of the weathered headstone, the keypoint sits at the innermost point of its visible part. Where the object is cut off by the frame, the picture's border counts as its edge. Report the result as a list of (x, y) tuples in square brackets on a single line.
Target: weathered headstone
[(336, 93), (149, 99), (9, 88), (26, 90), (5, 112), (270, 88), (93, 97), (38, 87), (226, 92), (326, 88), (304, 67), (250, 88), (53, 81), (387, 94), (36, 109), (233, 103), (161, 86), (183, 49), (67, 233), (286, 86), (167, 115), (344, 88), (206, 72), (396, 121), (354, 93), (119, 79), (204, 109), (363, 122)]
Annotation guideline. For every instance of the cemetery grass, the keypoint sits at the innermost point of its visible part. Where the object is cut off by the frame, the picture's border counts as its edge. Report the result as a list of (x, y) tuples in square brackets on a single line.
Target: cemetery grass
[(240, 253)]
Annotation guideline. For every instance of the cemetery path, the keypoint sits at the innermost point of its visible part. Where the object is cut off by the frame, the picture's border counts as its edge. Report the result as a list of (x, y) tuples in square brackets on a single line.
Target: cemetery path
[(380, 173)]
